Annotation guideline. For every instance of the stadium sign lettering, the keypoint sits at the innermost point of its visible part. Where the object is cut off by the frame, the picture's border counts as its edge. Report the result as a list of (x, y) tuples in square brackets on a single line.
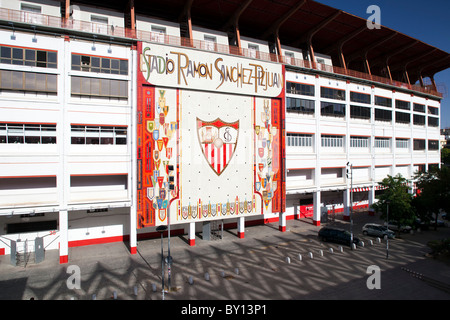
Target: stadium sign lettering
[(161, 65)]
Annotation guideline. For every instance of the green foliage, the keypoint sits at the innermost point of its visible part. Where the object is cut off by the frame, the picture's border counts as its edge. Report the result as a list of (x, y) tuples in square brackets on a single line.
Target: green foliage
[(445, 156), (396, 194), (434, 193)]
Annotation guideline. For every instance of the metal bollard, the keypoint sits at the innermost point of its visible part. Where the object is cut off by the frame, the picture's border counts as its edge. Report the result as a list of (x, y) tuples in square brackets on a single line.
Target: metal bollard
[(331, 250), (311, 255), (236, 270), (190, 280), (288, 260), (206, 276), (299, 257), (153, 287), (321, 253)]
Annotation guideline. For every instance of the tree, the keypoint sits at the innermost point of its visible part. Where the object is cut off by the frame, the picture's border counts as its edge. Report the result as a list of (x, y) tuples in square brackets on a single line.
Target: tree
[(396, 194), (433, 193), (445, 156)]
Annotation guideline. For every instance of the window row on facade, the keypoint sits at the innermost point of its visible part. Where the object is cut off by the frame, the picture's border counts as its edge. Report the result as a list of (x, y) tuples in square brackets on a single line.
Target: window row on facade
[(337, 141), (332, 109), (27, 81), (40, 133), (358, 97)]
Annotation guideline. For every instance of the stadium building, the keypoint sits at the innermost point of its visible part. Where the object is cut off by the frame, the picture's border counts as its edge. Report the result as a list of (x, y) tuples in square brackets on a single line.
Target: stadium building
[(117, 117)]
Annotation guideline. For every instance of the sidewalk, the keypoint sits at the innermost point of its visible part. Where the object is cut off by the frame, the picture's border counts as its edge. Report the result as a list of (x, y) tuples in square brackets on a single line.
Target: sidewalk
[(264, 265)]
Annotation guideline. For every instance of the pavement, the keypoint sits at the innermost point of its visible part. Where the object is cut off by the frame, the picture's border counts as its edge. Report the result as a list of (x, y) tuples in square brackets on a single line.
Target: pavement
[(266, 265)]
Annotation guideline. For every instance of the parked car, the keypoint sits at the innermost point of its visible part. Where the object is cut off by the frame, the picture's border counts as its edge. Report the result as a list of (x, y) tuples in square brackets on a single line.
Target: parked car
[(337, 235), (377, 230), (419, 224), (393, 225)]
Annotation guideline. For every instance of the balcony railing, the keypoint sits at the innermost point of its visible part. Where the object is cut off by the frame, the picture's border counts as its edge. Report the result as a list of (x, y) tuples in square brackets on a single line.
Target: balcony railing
[(16, 16)]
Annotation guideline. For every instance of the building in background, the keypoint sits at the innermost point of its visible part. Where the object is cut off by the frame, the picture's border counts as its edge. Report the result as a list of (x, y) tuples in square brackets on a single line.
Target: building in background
[(116, 118)]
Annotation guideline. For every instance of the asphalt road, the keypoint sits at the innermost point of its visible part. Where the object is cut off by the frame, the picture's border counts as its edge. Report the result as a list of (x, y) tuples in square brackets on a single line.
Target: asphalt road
[(266, 265)]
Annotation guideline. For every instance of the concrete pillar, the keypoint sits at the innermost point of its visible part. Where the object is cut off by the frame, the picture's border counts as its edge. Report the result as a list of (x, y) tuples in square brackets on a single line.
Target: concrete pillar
[(191, 234), (63, 237), (282, 221), (347, 205), (371, 200), (241, 227), (133, 229), (317, 208)]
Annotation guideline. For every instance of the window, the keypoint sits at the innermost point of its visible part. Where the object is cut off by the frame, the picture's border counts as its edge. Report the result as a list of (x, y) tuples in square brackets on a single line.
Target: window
[(433, 122), (358, 112), (32, 133), (158, 34), (210, 43), (419, 144), (360, 97), (402, 117), (28, 81), (99, 19), (253, 50), (419, 120), (359, 142), (99, 64), (332, 141), (300, 105), (331, 93), (382, 142), (433, 110), (30, 8), (300, 88), (401, 143), (383, 115), (289, 57), (28, 57), (82, 134), (332, 109), (400, 104), (433, 144), (299, 140), (382, 101), (419, 107), (106, 88)]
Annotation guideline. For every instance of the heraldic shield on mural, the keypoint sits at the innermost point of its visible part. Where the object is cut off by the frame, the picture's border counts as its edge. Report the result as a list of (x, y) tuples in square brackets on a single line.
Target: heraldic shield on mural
[(218, 141)]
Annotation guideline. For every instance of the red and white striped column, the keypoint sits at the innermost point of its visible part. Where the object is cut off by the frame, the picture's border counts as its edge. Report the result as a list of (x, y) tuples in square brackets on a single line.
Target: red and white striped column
[(191, 234), (241, 227)]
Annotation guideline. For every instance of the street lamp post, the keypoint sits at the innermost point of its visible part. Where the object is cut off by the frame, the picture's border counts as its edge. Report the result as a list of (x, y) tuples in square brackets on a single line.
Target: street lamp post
[(351, 201), (170, 187), (387, 236), (161, 230)]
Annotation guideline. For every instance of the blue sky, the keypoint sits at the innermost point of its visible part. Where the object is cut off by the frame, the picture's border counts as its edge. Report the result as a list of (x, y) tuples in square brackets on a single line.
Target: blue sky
[(427, 21)]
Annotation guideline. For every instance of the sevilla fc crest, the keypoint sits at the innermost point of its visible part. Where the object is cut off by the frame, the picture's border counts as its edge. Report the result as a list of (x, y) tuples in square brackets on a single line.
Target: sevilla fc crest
[(218, 141)]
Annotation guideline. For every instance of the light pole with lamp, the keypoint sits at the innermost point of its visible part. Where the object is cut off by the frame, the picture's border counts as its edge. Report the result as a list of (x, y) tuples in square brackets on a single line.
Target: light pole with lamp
[(387, 220), (161, 230), (170, 187), (351, 201)]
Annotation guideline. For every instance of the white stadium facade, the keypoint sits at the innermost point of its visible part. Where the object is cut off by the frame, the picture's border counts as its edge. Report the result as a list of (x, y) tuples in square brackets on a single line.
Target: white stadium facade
[(117, 117)]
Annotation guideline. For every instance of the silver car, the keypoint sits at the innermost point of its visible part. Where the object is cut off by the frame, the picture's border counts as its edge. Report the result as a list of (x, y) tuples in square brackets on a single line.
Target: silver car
[(377, 230)]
